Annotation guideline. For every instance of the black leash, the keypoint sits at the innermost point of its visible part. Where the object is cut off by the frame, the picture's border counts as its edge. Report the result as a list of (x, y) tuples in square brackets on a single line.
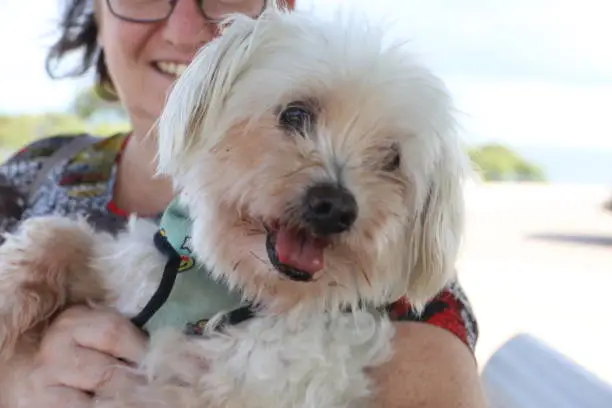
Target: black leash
[(165, 285), (236, 316)]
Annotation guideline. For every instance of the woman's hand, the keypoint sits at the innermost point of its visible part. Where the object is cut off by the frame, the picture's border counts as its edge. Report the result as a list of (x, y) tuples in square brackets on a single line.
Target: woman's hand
[(84, 352)]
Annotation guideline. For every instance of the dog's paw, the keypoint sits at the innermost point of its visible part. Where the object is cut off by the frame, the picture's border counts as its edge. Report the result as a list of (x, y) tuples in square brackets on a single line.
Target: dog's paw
[(47, 233), (36, 265), (41, 252)]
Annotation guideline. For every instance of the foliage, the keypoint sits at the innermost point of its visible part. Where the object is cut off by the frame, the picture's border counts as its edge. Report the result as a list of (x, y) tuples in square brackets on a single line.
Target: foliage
[(608, 205), (16, 131), (498, 163), (87, 105), (88, 113)]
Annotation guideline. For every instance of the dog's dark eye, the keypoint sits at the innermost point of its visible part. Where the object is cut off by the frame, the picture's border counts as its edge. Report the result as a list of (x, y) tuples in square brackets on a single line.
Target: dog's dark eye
[(393, 160), (296, 117)]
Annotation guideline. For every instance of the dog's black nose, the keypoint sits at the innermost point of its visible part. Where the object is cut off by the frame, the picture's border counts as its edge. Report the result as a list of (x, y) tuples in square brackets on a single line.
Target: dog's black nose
[(329, 209)]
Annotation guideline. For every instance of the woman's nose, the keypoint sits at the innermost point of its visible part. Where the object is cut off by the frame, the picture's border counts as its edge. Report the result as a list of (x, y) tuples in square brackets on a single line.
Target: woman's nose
[(186, 28)]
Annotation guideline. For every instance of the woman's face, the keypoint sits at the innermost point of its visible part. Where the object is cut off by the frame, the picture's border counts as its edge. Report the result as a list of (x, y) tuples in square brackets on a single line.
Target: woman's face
[(144, 59)]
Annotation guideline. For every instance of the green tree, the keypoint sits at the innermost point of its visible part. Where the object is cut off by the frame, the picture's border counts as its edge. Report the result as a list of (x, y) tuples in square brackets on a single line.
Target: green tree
[(18, 130), (498, 163), (87, 105), (88, 113)]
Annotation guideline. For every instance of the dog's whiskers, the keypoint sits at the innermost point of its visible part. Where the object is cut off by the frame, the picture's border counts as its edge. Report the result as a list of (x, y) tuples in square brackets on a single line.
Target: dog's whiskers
[(258, 258), (365, 275)]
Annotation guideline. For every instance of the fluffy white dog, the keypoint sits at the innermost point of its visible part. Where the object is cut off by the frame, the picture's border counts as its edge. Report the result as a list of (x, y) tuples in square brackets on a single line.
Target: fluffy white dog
[(322, 175)]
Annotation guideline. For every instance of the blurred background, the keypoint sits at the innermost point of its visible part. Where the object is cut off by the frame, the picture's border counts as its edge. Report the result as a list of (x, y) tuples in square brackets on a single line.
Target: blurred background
[(533, 82)]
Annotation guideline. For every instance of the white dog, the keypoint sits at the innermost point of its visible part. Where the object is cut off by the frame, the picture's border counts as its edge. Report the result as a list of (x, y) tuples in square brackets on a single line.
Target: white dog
[(322, 175)]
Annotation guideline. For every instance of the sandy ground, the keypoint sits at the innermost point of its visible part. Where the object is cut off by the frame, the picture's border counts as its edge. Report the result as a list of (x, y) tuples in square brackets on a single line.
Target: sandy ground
[(538, 259)]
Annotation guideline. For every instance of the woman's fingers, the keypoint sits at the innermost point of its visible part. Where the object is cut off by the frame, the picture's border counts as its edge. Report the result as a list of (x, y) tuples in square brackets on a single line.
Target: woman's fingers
[(103, 331), (92, 371), (91, 351), (51, 396)]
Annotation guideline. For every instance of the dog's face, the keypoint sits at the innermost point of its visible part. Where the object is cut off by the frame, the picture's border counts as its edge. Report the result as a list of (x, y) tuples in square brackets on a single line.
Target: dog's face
[(319, 166)]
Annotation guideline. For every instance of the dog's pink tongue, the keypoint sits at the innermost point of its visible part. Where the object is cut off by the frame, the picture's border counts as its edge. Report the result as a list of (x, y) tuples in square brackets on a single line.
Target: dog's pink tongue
[(300, 251)]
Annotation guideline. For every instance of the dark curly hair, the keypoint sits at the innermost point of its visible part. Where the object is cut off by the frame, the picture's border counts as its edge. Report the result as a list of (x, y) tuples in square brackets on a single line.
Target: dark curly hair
[(78, 33)]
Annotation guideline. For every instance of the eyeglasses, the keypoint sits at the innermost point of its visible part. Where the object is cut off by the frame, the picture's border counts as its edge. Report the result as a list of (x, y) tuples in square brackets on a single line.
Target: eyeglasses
[(152, 11)]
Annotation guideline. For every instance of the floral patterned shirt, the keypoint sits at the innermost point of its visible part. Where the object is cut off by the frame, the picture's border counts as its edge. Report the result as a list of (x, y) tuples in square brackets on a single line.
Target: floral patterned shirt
[(83, 184)]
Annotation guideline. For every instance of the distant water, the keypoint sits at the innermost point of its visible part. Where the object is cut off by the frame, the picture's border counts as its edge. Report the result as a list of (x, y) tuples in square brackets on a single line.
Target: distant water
[(571, 165)]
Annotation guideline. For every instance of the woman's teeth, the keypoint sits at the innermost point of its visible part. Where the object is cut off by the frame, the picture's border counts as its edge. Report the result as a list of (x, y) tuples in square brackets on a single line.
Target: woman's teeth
[(171, 68)]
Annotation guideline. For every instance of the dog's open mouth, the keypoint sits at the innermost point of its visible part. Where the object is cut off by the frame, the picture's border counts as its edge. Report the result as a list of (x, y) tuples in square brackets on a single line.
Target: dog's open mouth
[(295, 253)]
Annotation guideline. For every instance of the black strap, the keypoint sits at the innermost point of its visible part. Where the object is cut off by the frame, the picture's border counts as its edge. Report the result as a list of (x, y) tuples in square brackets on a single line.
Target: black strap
[(165, 285), (236, 316), (240, 315)]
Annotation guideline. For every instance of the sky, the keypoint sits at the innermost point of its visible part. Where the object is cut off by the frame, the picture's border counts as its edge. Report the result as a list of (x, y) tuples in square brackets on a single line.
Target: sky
[(522, 72)]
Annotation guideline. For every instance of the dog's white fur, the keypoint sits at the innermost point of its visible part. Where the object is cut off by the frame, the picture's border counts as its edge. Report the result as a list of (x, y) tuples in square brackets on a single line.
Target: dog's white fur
[(236, 171)]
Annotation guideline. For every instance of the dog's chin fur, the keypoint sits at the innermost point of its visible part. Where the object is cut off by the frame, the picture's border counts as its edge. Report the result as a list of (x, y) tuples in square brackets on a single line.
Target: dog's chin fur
[(239, 170)]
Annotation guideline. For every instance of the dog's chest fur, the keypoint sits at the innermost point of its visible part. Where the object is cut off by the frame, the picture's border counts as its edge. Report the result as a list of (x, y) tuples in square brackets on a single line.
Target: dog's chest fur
[(297, 360)]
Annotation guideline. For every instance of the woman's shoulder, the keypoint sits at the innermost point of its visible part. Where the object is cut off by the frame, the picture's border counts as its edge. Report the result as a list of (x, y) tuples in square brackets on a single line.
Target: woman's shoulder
[(41, 148), (23, 165), (20, 170), (59, 173), (17, 174)]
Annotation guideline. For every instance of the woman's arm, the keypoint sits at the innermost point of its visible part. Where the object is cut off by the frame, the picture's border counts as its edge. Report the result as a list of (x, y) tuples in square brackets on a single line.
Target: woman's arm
[(431, 368), (433, 365)]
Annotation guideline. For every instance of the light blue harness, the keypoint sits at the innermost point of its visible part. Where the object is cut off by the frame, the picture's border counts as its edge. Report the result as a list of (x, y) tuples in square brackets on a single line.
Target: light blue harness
[(188, 296)]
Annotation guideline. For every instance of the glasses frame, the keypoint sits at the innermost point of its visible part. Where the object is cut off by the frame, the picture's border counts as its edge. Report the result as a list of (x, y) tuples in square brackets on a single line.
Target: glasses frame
[(199, 4)]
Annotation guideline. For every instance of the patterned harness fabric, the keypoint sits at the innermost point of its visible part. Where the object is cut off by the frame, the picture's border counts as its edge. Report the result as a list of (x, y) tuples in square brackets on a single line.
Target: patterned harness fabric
[(83, 185)]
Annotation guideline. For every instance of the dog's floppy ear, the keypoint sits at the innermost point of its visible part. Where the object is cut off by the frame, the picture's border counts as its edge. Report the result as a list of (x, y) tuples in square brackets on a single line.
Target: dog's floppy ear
[(196, 98), (436, 235)]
